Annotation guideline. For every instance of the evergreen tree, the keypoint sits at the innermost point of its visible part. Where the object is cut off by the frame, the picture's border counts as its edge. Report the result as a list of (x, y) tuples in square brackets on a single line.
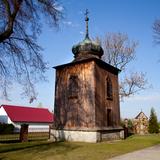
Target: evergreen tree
[(153, 123)]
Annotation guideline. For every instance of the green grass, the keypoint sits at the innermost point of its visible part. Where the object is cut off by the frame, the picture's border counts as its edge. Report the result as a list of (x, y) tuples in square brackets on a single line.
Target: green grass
[(43, 150)]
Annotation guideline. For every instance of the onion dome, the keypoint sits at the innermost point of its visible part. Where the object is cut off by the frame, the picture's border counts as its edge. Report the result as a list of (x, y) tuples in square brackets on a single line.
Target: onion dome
[(87, 48)]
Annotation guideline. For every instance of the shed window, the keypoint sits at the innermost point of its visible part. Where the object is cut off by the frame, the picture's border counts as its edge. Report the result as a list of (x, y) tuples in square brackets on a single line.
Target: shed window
[(73, 86)]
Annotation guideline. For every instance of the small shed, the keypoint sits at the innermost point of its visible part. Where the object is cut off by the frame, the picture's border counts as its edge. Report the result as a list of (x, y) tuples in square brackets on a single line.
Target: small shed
[(140, 124), (25, 116)]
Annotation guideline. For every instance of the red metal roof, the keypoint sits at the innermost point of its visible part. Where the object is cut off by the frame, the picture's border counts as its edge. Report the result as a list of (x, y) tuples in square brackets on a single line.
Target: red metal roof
[(27, 114)]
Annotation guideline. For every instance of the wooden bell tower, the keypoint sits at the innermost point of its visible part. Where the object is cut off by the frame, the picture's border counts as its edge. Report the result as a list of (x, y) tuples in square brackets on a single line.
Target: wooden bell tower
[(87, 96)]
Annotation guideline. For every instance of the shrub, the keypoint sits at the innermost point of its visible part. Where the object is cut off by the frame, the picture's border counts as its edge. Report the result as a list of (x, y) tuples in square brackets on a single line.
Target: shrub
[(129, 129), (6, 128)]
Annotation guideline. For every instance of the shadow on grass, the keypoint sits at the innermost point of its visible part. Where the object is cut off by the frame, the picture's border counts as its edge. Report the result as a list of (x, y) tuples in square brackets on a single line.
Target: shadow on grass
[(9, 141), (17, 141), (37, 147)]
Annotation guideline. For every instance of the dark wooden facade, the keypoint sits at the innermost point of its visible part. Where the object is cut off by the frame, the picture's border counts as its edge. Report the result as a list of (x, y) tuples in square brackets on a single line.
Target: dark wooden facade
[(87, 96)]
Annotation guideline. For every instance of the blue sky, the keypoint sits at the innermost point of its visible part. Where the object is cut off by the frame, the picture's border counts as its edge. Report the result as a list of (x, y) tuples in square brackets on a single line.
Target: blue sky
[(134, 17)]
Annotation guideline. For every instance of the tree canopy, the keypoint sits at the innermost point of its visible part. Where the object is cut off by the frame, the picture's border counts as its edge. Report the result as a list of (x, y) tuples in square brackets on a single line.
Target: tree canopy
[(21, 57)]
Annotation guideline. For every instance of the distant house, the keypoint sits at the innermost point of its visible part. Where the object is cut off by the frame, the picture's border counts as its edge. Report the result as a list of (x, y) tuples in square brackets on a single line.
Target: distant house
[(38, 119), (140, 124)]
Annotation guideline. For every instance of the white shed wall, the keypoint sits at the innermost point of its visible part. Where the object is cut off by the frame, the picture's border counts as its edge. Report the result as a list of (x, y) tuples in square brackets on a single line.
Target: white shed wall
[(4, 117)]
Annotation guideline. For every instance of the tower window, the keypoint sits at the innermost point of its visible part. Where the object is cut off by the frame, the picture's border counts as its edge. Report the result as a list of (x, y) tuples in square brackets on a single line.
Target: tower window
[(109, 89), (109, 117), (73, 86)]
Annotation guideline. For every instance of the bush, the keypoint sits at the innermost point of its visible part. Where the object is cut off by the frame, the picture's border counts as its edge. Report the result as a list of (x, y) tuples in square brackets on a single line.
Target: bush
[(6, 128)]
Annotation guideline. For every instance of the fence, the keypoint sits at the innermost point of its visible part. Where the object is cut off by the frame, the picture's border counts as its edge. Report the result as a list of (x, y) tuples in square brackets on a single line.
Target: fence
[(31, 136)]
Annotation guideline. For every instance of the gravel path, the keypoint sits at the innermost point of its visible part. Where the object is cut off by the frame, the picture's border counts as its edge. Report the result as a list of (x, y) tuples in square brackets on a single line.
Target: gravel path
[(151, 153)]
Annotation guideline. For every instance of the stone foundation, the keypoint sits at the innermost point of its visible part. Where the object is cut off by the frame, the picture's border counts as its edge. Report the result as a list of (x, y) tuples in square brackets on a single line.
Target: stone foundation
[(86, 136), (112, 135)]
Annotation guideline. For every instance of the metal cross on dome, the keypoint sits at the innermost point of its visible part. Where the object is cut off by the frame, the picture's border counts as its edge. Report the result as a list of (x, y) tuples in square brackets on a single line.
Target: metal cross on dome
[(87, 19), (86, 13)]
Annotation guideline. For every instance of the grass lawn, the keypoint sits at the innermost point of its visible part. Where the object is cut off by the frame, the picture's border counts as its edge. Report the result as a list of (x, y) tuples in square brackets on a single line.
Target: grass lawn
[(43, 150)]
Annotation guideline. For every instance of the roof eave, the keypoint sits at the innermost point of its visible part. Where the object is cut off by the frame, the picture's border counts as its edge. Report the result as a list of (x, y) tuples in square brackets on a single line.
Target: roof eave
[(86, 60)]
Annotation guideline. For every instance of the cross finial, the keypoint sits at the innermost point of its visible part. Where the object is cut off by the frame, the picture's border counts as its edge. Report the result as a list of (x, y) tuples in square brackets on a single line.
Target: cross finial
[(86, 14), (87, 19)]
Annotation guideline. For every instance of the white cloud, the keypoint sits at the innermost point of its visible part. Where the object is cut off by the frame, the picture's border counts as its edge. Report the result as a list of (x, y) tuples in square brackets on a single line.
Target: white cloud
[(69, 23), (81, 32), (130, 107), (59, 8), (152, 97), (80, 12)]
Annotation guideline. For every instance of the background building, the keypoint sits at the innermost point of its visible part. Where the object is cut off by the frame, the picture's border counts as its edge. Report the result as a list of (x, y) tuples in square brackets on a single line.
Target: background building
[(140, 124)]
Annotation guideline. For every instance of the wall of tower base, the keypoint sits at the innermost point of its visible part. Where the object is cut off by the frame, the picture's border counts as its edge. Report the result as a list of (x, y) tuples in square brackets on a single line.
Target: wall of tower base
[(86, 136)]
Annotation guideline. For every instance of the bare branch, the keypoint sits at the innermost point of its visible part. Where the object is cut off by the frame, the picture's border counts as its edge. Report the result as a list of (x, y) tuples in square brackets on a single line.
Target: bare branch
[(132, 84), (156, 31), (10, 18)]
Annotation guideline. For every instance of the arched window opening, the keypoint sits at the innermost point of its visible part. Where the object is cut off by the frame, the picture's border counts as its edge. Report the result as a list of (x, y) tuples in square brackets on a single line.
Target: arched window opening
[(109, 89), (109, 117), (73, 86)]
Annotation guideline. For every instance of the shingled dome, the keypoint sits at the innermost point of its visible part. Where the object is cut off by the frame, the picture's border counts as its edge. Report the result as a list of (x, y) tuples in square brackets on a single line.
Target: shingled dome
[(87, 48)]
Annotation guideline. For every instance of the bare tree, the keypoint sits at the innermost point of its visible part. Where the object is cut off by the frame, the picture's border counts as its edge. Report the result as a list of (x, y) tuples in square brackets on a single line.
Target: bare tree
[(156, 31), (132, 84), (119, 51), (21, 59)]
